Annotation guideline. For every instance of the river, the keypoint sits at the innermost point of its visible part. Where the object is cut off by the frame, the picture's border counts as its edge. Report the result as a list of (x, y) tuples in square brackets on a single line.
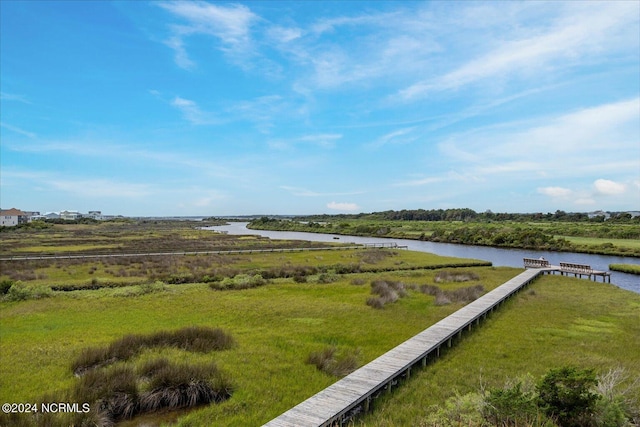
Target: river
[(497, 256)]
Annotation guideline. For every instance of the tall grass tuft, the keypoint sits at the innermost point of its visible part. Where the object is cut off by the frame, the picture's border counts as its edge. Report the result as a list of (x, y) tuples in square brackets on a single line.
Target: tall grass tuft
[(388, 291), (329, 361), (455, 276), (184, 386), (193, 338), (444, 297)]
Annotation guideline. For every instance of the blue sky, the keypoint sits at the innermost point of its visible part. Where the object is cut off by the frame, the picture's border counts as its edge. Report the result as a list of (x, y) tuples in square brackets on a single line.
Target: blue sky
[(223, 108)]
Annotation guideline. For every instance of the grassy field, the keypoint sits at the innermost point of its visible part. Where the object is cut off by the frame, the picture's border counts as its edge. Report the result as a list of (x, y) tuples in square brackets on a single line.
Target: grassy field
[(276, 326), (625, 268), (557, 322)]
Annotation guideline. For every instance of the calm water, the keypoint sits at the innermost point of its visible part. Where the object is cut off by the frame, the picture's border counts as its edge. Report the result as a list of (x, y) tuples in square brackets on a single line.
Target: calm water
[(499, 257)]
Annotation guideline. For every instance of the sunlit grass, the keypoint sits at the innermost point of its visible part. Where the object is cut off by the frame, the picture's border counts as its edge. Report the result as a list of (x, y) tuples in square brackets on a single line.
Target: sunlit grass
[(594, 241), (556, 322), (276, 327)]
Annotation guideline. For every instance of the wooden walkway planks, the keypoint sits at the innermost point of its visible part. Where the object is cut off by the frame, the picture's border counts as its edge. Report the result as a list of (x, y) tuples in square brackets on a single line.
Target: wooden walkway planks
[(332, 405)]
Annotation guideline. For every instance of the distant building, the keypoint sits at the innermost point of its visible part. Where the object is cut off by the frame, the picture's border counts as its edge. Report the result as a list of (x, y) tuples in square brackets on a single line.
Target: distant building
[(604, 214), (70, 215), (95, 215), (12, 217)]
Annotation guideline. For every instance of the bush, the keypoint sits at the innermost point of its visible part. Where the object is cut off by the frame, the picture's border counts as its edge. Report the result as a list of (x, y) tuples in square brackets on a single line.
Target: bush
[(459, 410), (20, 292), (511, 406), (328, 277), (566, 394), (239, 281), (5, 285)]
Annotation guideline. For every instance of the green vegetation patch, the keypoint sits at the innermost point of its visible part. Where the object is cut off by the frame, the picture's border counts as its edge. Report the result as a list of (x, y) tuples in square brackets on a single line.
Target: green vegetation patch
[(275, 327), (625, 268), (556, 322)]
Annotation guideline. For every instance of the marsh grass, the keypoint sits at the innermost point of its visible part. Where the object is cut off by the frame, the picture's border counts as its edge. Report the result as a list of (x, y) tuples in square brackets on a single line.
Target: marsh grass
[(455, 276), (330, 361), (448, 296), (193, 338), (527, 335), (625, 268), (387, 291)]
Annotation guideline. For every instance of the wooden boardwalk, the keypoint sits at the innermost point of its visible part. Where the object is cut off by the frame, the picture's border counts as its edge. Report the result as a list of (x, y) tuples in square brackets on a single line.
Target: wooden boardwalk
[(336, 404), (578, 270)]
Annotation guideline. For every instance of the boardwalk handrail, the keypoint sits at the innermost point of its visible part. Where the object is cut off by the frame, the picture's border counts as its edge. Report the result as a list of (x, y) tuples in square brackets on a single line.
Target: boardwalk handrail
[(337, 403), (535, 263), (576, 268)]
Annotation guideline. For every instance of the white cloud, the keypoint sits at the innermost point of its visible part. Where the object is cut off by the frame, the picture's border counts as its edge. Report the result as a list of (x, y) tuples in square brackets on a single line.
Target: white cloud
[(597, 139), (580, 33), (325, 140), (554, 191), (100, 188), (338, 206), (192, 112), (18, 130), (284, 34), (607, 187), (419, 182), (230, 24), (4, 96), (400, 136), (303, 192)]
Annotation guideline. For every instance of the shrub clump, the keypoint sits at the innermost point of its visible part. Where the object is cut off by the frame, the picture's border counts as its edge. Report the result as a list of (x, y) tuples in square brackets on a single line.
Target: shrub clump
[(239, 281), (564, 397), (194, 338), (387, 291), (329, 361), (19, 291), (120, 392), (455, 276), (444, 297)]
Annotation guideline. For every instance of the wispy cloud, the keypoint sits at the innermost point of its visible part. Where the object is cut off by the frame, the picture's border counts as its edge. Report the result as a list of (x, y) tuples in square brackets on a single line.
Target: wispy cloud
[(303, 192), (192, 112), (4, 96), (580, 34), (592, 138), (230, 24), (17, 130), (343, 206), (554, 191), (81, 186), (400, 136), (325, 140)]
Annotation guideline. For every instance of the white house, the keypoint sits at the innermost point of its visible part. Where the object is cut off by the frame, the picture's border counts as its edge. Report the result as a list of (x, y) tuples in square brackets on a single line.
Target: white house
[(95, 215), (12, 217), (70, 215)]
